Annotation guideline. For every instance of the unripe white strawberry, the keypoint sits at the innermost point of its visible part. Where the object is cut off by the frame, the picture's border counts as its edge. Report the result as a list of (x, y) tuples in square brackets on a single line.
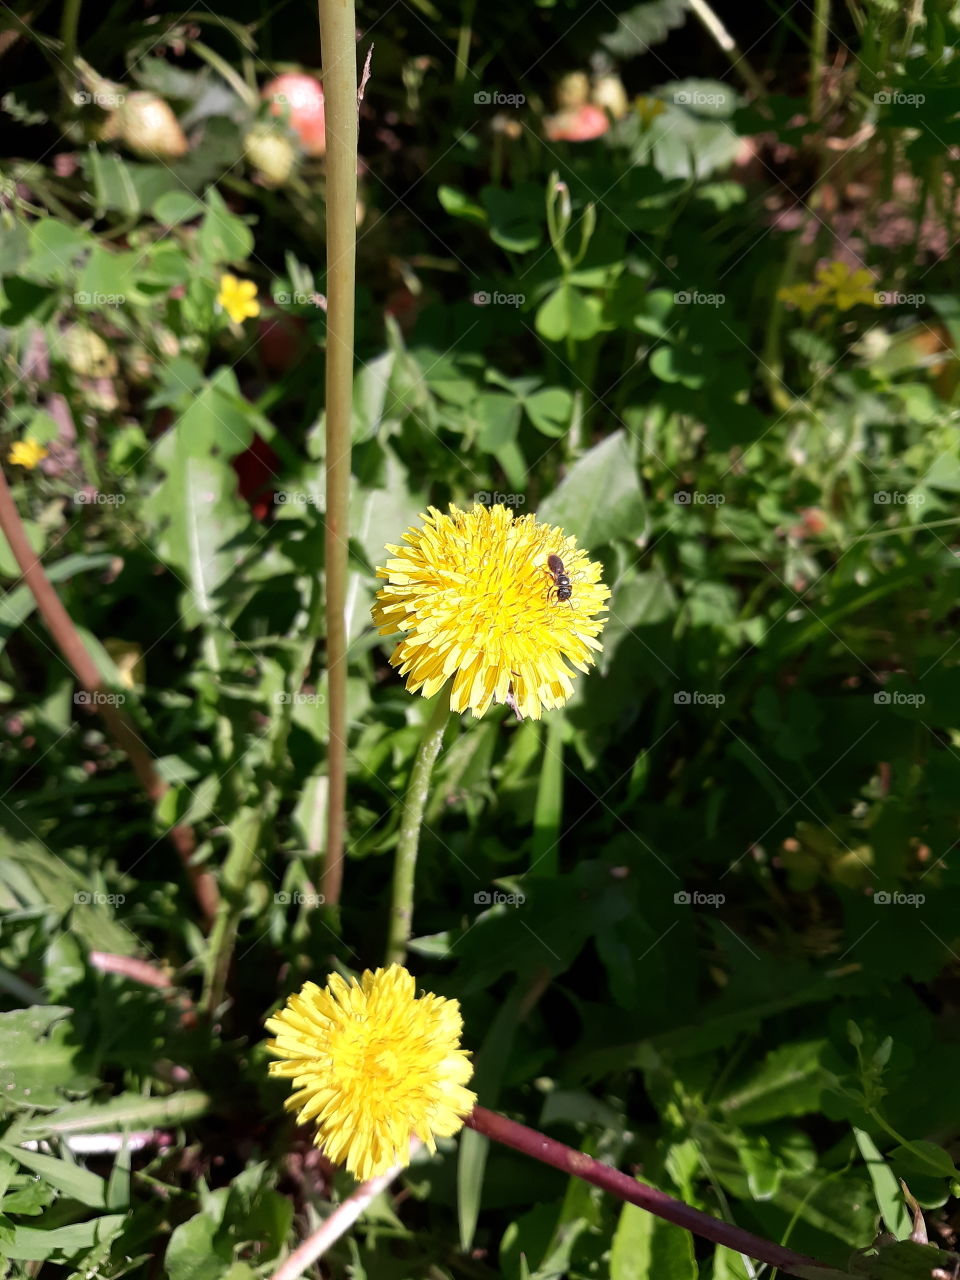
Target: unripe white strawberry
[(572, 90), (149, 128), (271, 153), (609, 93)]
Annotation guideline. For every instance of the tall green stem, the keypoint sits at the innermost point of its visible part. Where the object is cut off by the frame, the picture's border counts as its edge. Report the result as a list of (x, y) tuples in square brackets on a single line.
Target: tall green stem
[(339, 56), (414, 803), (818, 53), (69, 23)]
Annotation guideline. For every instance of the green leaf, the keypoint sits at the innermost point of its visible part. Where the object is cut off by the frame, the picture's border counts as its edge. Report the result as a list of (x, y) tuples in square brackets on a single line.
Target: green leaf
[(17, 605), (194, 1253), (550, 410), (110, 279), (644, 25), (885, 1187), (204, 514), (517, 216), (647, 1248), (789, 1082), (73, 1181), (760, 1165), (459, 205), (223, 239), (130, 1110), (491, 1062), (569, 313), (678, 364), (906, 1260), (54, 250), (195, 512), (61, 1243), (35, 537), (37, 1059), (499, 419), (600, 498), (924, 1158), (728, 1265), (176, 206), (114, 189)]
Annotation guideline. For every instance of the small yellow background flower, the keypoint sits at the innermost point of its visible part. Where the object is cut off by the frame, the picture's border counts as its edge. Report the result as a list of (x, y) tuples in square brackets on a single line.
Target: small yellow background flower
[(847, 286), (648, 109), (475, 600), (238, 298), (26, 453), (373, 1066), (837, 285)]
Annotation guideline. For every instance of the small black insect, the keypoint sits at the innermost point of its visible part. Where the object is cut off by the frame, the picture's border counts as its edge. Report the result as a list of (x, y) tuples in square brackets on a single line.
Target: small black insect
[(561, 583)]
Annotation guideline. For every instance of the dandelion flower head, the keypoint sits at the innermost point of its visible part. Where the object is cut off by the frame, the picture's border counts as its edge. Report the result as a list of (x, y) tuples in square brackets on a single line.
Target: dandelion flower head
[(475, 600), (373, 1066)]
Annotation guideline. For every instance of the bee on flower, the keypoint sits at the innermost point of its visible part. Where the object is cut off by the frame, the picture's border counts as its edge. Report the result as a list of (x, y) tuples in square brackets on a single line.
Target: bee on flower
[(474, 597)]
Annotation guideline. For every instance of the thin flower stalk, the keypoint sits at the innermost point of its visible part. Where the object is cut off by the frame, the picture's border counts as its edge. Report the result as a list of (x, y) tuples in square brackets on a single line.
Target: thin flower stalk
[(339, 58)]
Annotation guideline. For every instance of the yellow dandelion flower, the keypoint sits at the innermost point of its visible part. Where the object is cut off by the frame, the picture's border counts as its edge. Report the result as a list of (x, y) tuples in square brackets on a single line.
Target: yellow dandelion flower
[(476, 600), (847, 287), (648, 109), (26, 453), (238, 298), (805, 297), (373, 1066)]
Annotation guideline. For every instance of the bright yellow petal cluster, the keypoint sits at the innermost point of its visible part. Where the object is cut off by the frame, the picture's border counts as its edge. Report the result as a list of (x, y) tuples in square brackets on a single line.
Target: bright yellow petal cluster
[(837, 285), (238, 298), (373, 1066), (26, 453), (473, 596)]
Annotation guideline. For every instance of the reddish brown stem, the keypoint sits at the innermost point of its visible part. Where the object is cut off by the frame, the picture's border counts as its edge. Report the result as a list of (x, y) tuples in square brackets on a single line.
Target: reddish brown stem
[(624, 1187), (77, 657), (137, 970)]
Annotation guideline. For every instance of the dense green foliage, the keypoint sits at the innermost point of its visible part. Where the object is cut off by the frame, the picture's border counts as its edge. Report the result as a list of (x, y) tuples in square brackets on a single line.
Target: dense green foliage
[(729, 957)]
